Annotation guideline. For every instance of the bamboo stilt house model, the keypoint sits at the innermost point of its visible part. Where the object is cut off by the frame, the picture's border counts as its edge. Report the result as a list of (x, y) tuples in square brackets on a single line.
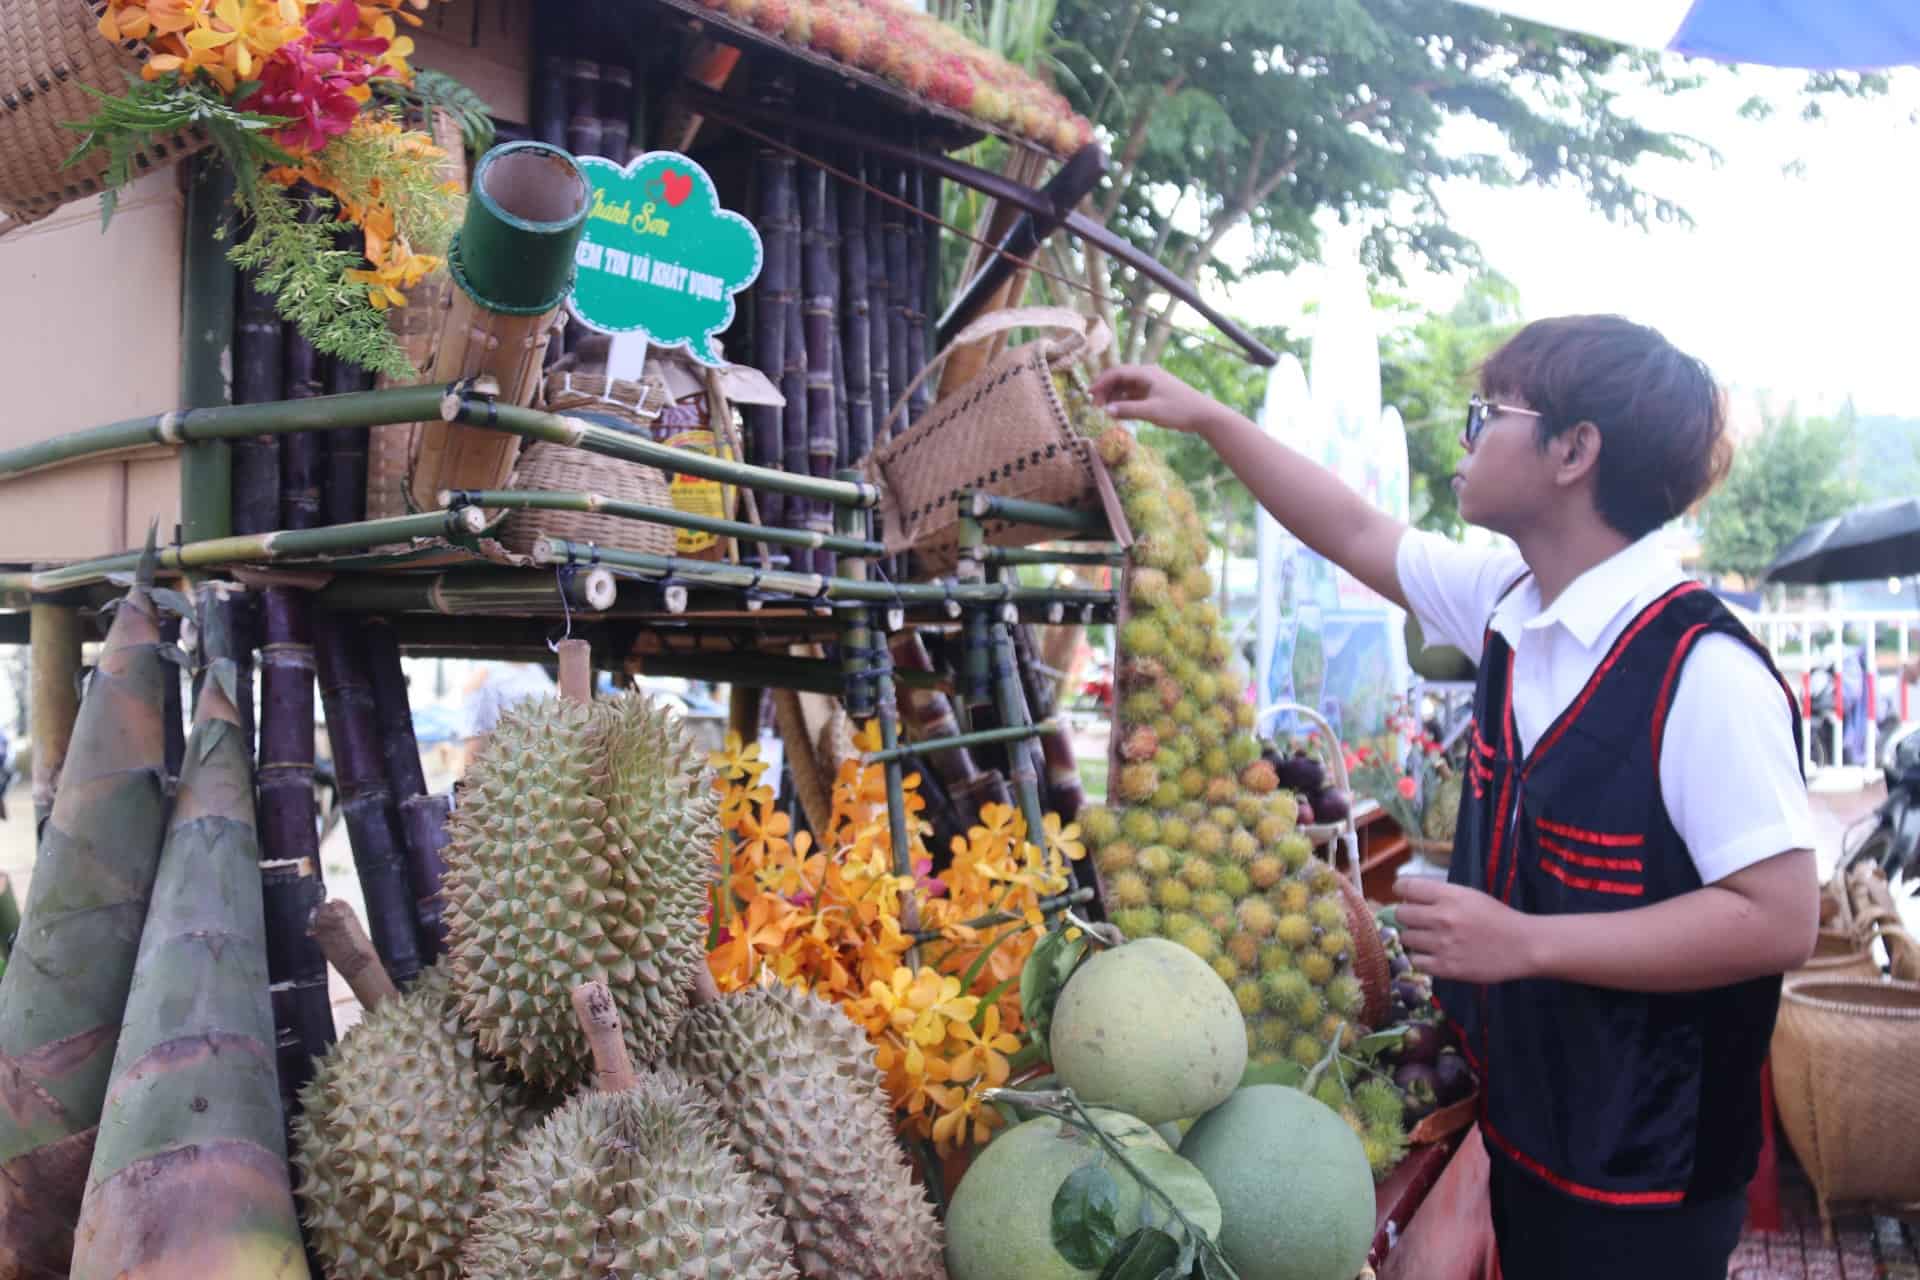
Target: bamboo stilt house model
[(332, 533)]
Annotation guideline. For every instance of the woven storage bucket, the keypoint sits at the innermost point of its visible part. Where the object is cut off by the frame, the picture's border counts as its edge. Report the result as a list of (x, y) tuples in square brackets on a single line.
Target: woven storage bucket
[(557, 466), (1838, 954), (48, 50), (1004, 432), (1843, 1055)]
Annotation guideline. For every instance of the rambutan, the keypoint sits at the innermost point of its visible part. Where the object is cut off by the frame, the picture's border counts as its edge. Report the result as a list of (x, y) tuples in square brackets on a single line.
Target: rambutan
[(1139, 743)]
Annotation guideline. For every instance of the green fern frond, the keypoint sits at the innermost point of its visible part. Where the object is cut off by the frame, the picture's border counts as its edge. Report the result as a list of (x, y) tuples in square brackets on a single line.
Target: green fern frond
[(436, 90)]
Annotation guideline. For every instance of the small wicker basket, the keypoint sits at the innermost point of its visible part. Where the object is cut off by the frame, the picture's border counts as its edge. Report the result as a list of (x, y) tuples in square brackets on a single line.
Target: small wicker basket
[(1843, 1054), (557, 466), (51, 52)]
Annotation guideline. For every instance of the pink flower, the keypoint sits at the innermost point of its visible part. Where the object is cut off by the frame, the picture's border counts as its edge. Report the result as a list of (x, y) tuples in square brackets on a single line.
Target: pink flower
[(332, 26), (314, 89), (1405, 787)]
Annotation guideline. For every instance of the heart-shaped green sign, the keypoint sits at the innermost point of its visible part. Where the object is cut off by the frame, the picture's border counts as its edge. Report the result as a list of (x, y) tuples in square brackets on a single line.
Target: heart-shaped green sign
[(659, 256)]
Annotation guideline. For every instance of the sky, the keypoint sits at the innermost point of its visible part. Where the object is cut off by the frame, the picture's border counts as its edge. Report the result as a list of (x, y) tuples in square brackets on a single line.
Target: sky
[(1799, 280)]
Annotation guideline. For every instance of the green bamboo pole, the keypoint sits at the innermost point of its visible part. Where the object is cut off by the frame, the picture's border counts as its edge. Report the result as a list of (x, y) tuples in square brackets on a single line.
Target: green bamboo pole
[(470, 405), (1105, 554), (189, 1176), (890, 743), (978, 738), (554, 551), (471, 591), (206, 347), (280, 544), (991, 506), (55, 656), (1052, 904), (855, 638), (1011, 702), (596, 503), (62, 996)]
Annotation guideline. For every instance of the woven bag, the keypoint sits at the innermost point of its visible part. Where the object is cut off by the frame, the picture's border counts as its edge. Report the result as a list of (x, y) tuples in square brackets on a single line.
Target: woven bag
[(1004, 432), (49, 49), (1843, 1055), (561, 467)]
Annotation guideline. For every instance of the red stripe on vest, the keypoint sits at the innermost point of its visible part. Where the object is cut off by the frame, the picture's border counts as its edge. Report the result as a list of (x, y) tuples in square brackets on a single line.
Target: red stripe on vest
[(1661, 707), (1506, 793), (1579, 859), (1645, 619), (1595, 886), (1571, 1187), (1605, 839)]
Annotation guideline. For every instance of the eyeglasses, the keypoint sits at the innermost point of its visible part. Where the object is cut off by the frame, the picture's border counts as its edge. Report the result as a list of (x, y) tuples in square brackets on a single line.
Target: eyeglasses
[(1478, 411)]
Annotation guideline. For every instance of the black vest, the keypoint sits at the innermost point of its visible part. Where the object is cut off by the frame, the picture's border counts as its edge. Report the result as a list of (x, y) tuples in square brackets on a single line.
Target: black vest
[(1621, 1098)]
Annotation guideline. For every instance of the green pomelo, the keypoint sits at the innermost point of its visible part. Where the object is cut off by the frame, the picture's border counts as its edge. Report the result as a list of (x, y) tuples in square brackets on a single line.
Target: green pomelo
[(1149, 1029), (1295, 1191), (1000, 1222)]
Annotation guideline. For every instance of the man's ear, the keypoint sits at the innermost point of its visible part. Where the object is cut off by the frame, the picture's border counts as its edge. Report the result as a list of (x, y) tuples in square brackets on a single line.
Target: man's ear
[(1576, 453)]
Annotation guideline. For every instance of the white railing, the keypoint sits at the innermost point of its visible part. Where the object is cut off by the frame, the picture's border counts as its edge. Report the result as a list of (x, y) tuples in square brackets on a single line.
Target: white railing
[(1804, 641)]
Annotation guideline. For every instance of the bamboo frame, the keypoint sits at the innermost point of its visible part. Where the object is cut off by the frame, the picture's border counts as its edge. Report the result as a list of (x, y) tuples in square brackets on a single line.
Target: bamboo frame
[(981, 737), (206, 329), (423, 817), (477, 592), (820, 321), (856, 339), (54, 655), (468, 403), (599, 504), (281, 544), (774, 294), (259, 356)]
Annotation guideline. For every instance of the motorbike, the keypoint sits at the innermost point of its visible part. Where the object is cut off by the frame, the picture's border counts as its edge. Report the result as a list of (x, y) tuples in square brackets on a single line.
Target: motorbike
[(1891, 834)]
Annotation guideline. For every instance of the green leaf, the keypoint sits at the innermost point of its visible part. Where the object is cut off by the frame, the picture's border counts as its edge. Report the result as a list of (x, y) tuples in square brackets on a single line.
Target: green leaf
[(1212, 1267), (1179, 1181), (1286, 1072), (1147, 1254), (1084, 1212), (1379, 1041), (1049, 965)]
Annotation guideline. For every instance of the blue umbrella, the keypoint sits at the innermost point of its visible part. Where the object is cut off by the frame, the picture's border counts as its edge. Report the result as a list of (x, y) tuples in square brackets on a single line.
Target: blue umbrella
[(1824, 35)]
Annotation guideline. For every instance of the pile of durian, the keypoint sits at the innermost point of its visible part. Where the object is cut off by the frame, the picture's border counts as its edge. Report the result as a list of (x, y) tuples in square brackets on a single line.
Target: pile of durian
[(1198, 842), (433, 1140)]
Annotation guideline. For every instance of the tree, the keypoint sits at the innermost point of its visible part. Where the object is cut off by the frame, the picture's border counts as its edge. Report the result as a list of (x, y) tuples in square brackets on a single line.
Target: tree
[(1428, 372), (1787, 477), (1251, 118)]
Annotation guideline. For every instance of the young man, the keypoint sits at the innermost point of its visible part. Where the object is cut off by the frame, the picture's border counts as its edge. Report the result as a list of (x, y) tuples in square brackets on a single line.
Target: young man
[(1633, 867)]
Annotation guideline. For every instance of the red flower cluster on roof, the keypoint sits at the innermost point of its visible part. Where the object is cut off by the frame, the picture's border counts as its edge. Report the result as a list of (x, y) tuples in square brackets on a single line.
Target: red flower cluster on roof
[(924, 56)]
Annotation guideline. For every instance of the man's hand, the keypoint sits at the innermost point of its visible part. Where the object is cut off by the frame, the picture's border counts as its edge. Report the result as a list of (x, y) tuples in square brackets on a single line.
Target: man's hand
[(1451, 931), (1147, 394)]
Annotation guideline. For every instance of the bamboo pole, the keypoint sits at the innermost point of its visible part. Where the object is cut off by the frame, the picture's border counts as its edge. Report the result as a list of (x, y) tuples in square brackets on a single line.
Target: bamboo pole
[(189, 1176), (856, 312), (279, 544), (423, 817), (1063, 791), (810, 586), (513, 264), (366, 801), (1104, 554), (1011, 702), (880, 376), (600, 504), (65, 988), (228, 624), (258, 355), (820, 278), (1068, 186), (893, 229), (775, 293), (303, 454), (470, 404), (206, 344), (981, 737), (291, 882), (991, 506), (794, 434), (923, 191), (928, 713), (336, 931), (55, 654)]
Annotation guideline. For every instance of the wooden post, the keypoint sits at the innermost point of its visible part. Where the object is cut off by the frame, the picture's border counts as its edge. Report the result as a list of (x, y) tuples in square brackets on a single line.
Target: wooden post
[(55, 653)]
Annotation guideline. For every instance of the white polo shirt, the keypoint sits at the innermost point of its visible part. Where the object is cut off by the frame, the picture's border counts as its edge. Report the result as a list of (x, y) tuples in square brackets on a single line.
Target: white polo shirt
[(1728, 769)]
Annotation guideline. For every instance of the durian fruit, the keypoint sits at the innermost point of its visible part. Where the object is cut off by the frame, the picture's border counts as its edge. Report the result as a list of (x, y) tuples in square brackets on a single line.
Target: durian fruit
[(805, 1108), (398, 1136), (634, 1179), (581, 850)]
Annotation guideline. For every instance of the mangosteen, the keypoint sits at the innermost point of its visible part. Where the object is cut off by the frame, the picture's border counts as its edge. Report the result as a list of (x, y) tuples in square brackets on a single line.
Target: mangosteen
[(1409, 991), (1332, 805), (1389, 936), (1420, 1045), (1303, 812), (1301, 773), (1452, 1077), (1415, 1081), (1398, 965)]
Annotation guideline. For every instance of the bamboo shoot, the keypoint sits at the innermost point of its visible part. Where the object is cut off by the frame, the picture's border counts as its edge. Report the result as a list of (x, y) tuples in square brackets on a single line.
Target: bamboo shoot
[(65, 990), (189, 1176)]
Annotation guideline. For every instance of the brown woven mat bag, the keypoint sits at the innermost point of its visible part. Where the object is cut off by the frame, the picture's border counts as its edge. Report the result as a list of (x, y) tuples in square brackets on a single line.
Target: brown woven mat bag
[(49, 49), (1005, 432)]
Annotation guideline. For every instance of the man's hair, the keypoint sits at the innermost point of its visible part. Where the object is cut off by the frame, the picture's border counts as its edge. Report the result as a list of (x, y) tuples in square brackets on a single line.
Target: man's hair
[(1661, 419)]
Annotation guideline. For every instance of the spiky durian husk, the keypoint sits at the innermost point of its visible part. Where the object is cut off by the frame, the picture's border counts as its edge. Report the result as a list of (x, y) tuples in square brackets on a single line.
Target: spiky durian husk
[(399, 1130), (581, 851), (804, 1106), (637, 1184), (1175, 656)]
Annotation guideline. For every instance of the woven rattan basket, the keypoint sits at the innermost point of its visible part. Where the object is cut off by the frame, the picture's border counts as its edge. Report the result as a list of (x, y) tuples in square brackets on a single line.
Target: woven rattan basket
[(561, 467), (1843, 1055), (49, 49)]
